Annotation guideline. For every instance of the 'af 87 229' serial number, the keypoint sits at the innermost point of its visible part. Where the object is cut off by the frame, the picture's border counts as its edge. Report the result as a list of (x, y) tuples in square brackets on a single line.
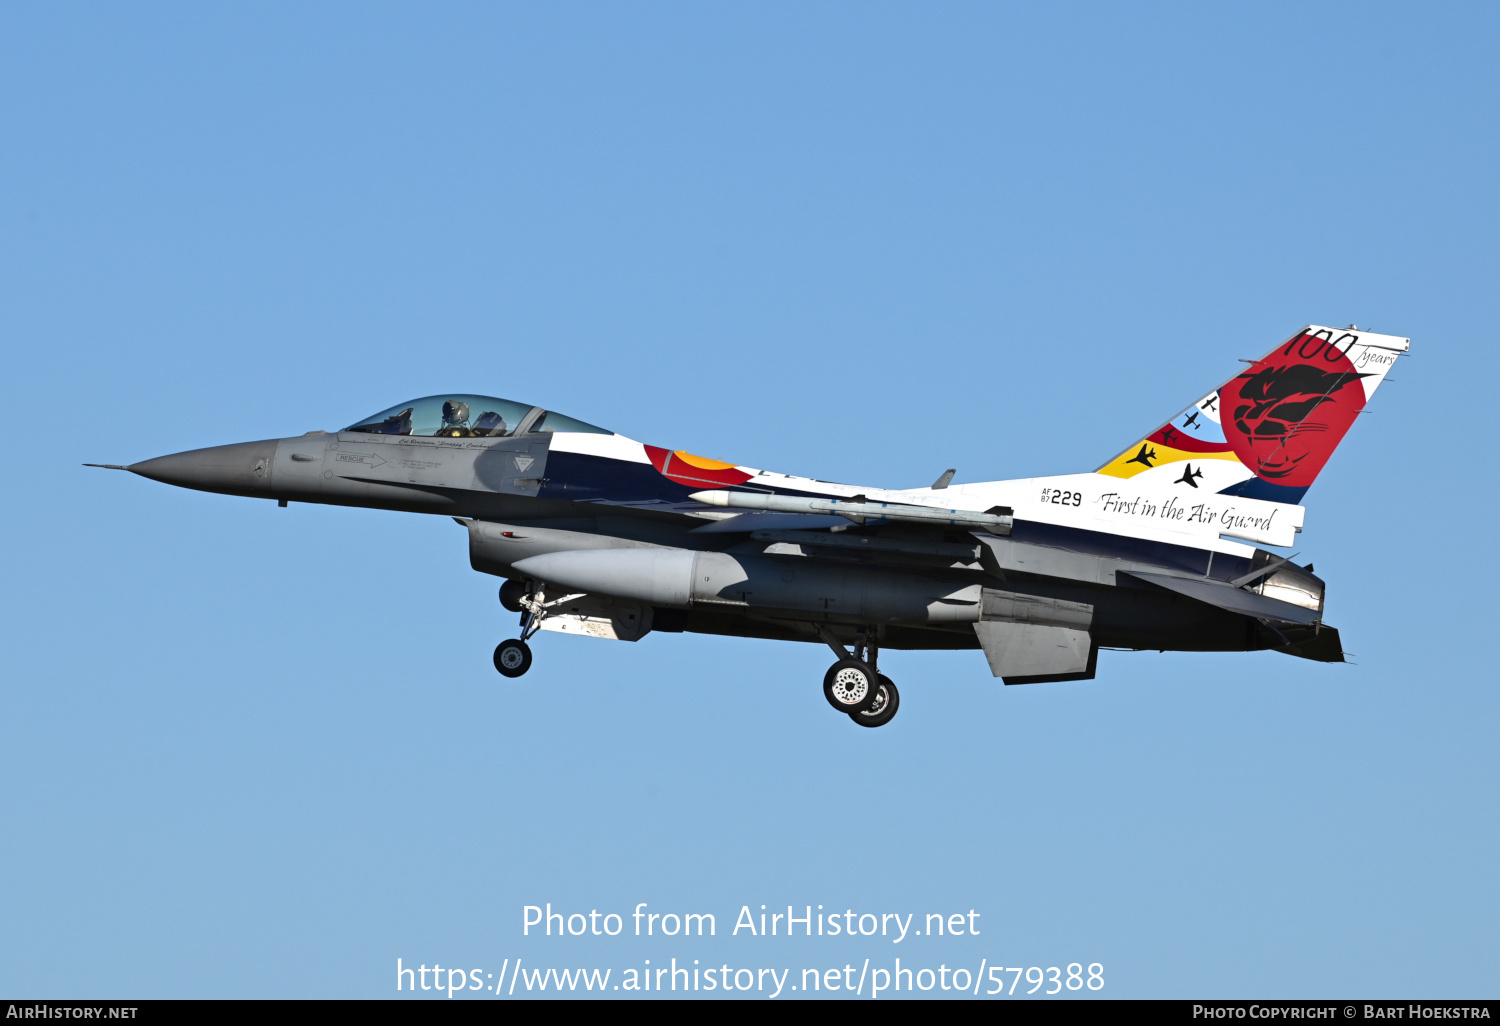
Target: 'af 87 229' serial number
[(1061, 497)]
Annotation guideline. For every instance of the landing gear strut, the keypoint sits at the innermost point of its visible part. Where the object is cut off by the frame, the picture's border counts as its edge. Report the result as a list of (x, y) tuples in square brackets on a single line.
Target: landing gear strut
[(854, 685), (513, 657)]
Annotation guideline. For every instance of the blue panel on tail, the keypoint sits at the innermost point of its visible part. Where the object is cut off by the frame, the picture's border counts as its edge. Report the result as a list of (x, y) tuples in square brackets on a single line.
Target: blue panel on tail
[(1255, 488)]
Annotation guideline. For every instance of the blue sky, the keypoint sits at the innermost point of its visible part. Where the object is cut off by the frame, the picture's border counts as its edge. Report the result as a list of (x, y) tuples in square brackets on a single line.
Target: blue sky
[(251, 751)]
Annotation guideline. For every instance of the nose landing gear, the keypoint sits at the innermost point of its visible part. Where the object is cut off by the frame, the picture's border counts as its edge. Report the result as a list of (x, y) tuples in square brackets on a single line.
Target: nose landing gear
[(854, 685), (513, 657)]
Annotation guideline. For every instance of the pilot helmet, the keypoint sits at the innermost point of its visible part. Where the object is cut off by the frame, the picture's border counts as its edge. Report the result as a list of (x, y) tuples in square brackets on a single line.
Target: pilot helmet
[(455, 413)]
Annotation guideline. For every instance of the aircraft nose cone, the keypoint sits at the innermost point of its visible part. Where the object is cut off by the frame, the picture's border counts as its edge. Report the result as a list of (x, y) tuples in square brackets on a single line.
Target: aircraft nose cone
[(240, 469)]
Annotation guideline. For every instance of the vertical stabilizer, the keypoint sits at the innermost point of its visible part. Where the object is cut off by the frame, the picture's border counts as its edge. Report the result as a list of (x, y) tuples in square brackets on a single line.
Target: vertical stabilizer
[(1267, 432)]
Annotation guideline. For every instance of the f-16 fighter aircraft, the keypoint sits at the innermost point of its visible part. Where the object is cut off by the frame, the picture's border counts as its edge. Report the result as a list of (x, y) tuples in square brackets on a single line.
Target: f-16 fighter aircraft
[(599, 535)]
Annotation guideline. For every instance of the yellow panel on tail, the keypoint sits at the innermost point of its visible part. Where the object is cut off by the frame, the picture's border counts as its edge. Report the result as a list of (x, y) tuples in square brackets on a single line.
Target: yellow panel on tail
[(1153, 454)]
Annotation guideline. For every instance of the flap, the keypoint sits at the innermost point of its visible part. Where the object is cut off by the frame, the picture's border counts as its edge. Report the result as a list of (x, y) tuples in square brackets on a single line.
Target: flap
[(1230, 599)]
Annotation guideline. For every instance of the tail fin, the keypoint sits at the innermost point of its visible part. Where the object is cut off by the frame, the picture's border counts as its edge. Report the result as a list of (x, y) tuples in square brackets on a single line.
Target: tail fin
[(1267, 432)]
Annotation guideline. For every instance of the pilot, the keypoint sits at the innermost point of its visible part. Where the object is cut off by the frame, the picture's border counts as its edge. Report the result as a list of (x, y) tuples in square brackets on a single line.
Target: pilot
[(455, 419), (489, 424)]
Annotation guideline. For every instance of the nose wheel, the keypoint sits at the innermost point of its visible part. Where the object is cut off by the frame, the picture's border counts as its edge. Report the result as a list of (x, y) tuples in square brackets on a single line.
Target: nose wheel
[(512, 658)]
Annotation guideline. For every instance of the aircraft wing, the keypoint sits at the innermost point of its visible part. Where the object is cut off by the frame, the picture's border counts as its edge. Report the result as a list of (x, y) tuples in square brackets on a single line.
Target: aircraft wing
[(1234, 600)]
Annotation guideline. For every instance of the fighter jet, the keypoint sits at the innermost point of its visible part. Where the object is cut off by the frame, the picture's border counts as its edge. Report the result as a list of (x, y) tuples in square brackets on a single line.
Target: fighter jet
[(598, 535)]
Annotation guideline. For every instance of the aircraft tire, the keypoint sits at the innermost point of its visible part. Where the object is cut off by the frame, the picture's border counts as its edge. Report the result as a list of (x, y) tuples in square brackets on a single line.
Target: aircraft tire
[(511, 594), (512, 658), (850, 687), (884, 709)]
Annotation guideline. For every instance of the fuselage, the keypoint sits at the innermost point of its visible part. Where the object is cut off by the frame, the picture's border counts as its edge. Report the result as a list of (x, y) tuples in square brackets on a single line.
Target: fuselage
[(615, 522), (600, 535)]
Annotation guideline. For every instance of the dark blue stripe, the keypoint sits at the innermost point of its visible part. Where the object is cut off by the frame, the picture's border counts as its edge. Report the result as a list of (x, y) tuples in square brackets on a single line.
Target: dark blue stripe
[(1255, 488), (578, 477)]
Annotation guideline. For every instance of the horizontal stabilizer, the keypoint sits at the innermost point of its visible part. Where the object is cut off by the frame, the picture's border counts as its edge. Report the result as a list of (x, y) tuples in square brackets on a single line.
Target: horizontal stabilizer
[(1230, 599), (1322, 647)]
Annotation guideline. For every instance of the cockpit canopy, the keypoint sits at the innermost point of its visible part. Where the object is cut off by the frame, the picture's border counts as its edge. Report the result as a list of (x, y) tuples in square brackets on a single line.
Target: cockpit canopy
[(466, 416)]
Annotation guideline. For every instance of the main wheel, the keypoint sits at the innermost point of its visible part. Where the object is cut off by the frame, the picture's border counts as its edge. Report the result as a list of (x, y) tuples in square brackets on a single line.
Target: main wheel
[(849, 686), (512, 658), (887, 701)]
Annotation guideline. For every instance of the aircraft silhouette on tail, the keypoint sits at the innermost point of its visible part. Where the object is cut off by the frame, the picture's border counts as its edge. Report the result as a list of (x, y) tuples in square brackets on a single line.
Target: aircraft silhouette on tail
[(1188, 476)]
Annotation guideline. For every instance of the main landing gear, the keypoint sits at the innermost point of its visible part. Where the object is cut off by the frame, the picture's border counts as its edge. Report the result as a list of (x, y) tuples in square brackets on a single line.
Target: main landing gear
[(854, 685), (513, 657)]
